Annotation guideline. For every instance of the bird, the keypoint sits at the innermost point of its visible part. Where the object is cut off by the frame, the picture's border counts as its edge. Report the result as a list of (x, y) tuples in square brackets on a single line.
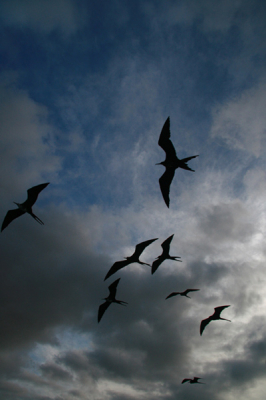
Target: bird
[(129, 260), (110, 299), (214, 316), (194, 380), (165, 255), (182, 293), (171, 162), (25, 207)]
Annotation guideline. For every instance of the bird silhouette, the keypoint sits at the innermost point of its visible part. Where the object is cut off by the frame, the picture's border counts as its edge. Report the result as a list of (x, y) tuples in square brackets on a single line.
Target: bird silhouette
[(110, 299), (214, 316), (171, 162), (165, 255), (129, 260), (194, 380), (25, 207), (182, 293)]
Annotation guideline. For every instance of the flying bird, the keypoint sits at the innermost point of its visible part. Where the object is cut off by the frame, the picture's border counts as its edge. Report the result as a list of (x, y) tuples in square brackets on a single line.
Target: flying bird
[(25, 207), (129, 260), (165, 255), (110, 299), (171, 162), (214, 316), (194, 380), (182, 293)]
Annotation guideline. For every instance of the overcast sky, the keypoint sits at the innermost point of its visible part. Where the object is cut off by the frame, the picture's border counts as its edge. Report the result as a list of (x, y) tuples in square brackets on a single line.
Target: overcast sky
[(85, 89)]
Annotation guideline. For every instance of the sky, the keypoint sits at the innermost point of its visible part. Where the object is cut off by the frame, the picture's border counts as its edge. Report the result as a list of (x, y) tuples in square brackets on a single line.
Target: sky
[(85, 89)]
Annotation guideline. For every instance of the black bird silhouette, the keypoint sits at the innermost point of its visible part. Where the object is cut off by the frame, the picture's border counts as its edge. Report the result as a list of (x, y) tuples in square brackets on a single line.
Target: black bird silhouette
[(25, 207), (110, 299), (214, 316), (182, 293), (129, 260), (194, 380), (171, 162), (165, 255)]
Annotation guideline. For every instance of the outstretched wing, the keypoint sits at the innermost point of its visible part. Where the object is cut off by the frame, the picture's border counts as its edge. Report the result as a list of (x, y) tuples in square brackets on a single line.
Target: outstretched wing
[(156, 264), (172, 294), (166, 244), (165, 142), (116, 267), (165, 182), (185, 380), (103, 307), (141, 246), (204, 323), (34, 192), (190, 290), (218, 310), (112, 288), (10, 215)]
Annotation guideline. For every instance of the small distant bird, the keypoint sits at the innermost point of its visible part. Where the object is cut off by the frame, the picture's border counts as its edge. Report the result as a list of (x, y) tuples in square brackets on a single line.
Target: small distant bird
[(171, 162), (182, 293), (110, 299), (165, 255), (129, 260), (214, 316), (25, 207), (194, 380)]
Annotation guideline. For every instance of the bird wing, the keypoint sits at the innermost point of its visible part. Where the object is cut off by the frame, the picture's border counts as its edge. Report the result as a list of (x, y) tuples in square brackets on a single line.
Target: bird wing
[(190, 290), (116, 267), (165, 142), (10, 215), (185, 380), (112, 288), (165, 182), (102, 308), (156, 263), (218, 310), (172, 294), (34, 192), (166, 244), (141, 246), (204, 323)]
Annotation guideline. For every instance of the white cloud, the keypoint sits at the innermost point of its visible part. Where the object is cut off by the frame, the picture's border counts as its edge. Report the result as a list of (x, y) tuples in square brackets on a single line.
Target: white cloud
[(241, 121)]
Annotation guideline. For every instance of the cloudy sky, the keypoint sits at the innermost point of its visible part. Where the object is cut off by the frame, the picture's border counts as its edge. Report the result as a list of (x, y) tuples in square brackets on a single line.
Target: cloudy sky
[(85, 89)]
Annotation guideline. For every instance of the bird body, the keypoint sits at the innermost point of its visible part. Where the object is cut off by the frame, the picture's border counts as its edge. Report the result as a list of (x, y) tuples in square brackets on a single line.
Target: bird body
[(131, 259), (165, 254), (213, 317), (25, 207), (171, 162), (110, 299), (194, 380), (182, 293)]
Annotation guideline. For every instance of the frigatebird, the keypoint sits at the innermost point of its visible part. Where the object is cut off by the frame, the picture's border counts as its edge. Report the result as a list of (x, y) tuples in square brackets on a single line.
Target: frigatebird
[(171, 162), (165, 255), (182, 293), (110, 299), (194, 380), (214, 316), (25, 207), (129, 260)]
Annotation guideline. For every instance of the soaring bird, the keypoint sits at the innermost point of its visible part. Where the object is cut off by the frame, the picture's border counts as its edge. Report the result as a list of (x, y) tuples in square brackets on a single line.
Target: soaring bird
[(214, 316), (110, 299), (171, 162), (182, 293), (25, 207), (129, 260), (165, 255), (194, 380)]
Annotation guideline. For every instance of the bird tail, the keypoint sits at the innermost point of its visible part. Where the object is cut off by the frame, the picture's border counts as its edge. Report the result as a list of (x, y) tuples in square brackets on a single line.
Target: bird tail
[(37, 218)]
